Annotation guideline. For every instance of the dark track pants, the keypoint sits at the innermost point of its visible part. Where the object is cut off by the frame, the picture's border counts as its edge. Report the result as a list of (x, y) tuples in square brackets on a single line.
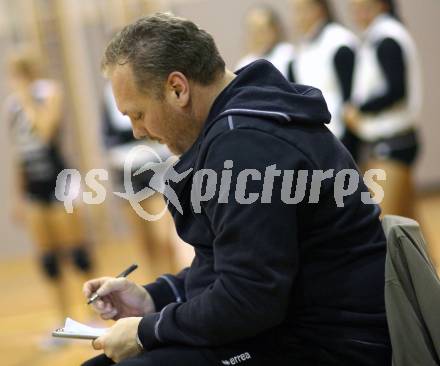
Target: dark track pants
[(191, 356), (258, 354)]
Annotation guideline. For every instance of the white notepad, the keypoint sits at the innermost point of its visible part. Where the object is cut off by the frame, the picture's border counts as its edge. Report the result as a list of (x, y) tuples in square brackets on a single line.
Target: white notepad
[(74, 329)]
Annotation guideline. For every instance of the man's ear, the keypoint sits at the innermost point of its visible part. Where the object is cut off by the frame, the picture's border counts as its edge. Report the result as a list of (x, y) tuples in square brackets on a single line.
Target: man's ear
[(178, 89)]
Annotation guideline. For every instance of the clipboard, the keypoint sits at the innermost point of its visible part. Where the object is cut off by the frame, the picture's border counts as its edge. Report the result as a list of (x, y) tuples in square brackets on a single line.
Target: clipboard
[(61, 333)]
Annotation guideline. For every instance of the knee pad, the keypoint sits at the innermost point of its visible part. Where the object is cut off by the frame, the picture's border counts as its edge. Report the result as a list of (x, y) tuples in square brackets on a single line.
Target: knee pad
[(50, 265), (81, 259)]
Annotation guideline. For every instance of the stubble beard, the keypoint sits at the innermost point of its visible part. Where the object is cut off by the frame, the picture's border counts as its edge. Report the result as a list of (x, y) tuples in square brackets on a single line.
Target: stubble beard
[(182, 131)]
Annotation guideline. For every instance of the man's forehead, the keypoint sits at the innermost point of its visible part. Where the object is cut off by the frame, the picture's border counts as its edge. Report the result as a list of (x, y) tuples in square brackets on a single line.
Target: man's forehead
[(122, 78), (124, 87)]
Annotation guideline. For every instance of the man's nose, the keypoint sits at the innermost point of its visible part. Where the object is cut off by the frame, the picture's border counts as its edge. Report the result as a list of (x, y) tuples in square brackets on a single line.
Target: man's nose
[(139, 134)]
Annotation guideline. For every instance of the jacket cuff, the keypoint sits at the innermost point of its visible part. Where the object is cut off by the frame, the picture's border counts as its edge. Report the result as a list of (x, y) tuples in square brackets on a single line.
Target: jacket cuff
[(147, 331), (161, 293)]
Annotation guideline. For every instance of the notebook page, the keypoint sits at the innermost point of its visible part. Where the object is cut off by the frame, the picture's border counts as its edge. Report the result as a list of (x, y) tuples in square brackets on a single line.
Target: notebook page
[(74, 327)]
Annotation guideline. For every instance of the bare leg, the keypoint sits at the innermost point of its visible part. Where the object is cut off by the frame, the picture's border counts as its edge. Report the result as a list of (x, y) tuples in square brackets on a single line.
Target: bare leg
[(398, 188), (38, 222), (69, 233)]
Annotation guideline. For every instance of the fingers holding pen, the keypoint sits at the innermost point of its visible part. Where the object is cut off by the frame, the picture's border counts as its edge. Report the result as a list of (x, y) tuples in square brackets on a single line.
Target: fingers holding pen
[(103, 305), (92, 286), (115, 297), (112, 285)]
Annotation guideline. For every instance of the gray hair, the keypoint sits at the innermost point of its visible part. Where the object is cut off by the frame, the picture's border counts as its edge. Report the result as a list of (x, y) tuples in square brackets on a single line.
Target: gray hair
[(157, 45)]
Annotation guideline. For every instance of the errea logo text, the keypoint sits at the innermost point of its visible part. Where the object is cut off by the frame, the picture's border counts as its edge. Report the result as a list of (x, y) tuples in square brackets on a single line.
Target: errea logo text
[(237, 359)]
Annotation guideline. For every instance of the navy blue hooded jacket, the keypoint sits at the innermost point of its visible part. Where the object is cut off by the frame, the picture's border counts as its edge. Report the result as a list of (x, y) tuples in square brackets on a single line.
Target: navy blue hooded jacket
[(307, 275)]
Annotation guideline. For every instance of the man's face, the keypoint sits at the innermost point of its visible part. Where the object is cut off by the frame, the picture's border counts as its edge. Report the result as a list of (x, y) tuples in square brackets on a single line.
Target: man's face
[(162, 120)]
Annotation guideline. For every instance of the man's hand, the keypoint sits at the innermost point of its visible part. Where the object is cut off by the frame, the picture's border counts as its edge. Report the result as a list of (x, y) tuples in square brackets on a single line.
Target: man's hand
[(119, 298), (119, 342)]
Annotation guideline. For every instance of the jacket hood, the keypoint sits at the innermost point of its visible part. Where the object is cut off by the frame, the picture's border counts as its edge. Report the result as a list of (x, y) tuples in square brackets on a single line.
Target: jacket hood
[(261, 90)]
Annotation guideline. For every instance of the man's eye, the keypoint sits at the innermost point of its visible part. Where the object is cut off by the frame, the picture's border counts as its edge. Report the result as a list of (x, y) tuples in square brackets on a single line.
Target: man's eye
[(138, 117)]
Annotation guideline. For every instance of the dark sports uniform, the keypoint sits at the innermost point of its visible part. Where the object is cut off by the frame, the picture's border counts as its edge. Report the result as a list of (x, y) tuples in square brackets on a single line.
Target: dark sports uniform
[(326, 61), (387, 90), (40, 162)]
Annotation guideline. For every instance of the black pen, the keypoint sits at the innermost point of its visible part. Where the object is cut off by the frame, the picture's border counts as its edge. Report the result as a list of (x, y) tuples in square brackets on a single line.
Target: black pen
[(124, 273)]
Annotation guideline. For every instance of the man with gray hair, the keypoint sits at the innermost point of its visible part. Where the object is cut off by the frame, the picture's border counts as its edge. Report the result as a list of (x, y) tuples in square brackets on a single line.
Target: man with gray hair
[(275, 280)]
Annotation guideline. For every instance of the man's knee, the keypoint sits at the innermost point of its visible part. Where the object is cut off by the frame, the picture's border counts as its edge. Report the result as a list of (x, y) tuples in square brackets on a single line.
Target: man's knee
[(143, 359), (102, 360)]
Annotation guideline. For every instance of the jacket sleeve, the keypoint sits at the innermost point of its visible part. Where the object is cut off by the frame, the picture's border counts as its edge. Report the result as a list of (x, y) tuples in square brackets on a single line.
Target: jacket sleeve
[(344, 66), (392, 62), (255, 250), (167, 289)]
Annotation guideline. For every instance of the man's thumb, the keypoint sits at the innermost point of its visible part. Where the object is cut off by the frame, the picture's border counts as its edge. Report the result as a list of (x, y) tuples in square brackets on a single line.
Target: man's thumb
[(114, 284), (97, 344)]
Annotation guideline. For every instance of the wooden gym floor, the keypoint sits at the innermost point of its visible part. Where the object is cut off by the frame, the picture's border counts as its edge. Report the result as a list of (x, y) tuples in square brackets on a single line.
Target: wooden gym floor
[(27, 316)]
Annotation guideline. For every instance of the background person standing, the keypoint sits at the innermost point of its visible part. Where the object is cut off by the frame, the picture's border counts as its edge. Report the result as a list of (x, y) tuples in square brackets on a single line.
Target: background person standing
[(266, 39), (387, 98), (325, 59), (35, 111)]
